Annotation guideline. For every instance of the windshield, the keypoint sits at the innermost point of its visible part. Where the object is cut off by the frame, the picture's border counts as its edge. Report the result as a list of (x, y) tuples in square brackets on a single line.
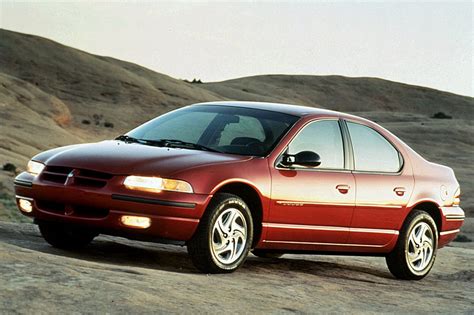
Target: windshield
[(226, 129)]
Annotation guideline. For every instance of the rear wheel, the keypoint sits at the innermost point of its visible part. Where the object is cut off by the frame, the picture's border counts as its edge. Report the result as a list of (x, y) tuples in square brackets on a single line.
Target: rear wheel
[(266, 254), (65, 236), (224, 236), (415, 252)]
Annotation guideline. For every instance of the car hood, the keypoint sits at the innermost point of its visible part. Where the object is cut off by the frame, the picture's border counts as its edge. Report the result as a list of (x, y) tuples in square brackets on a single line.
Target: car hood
[(120, 158)]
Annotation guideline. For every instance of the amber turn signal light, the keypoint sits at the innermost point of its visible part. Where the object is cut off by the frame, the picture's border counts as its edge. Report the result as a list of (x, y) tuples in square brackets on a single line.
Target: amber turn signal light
[(457, 197)]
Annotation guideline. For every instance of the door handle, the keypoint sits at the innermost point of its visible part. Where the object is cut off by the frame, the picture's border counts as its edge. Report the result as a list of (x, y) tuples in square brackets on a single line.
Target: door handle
[(343, 189), (400, 191)]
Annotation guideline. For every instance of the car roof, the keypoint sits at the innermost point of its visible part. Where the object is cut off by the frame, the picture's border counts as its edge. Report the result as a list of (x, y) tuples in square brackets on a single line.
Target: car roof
[(295, 110)]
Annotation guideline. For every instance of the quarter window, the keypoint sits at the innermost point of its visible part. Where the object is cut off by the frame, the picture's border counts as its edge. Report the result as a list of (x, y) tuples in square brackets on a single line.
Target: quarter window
[(372, 152), (323, 137)]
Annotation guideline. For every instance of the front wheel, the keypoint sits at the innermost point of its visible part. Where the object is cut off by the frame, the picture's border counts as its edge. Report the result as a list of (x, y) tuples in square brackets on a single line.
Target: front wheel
[(415, 252), (224, 236)]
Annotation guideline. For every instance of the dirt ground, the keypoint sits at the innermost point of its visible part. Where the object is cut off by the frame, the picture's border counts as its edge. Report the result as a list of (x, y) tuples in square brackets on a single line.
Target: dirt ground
[(119, 276)]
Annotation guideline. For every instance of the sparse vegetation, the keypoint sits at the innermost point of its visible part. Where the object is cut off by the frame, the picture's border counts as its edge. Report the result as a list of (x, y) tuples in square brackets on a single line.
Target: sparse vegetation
[(441, 115), (8, 209), (9, 167), (194, 81), (97, 118)]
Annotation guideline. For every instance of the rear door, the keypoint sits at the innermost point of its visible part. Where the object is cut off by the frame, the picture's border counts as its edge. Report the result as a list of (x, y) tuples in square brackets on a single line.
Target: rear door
[(383, 186)]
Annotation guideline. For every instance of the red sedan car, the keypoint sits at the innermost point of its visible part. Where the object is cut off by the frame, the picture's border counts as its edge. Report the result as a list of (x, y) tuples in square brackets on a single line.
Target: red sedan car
[(227, 178)]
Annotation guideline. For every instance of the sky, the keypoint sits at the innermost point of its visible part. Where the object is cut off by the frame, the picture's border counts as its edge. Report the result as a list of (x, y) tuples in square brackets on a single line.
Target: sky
[(421, 43)]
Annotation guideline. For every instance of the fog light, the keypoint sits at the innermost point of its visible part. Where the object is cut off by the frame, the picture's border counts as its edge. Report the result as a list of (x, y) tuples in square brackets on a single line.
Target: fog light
[(135, 222), (25, 205)]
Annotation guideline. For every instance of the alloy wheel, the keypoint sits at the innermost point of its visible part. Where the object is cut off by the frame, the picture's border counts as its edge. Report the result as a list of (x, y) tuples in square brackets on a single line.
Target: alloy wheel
[(229, 236), (419, 250)]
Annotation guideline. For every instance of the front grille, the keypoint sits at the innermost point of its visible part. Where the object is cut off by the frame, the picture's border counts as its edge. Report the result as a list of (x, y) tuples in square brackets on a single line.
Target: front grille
[(56, 174), (71, 210), (78, 177)]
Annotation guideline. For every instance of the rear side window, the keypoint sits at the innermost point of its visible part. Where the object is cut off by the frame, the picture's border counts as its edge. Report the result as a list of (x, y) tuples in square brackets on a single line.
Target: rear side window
[(323, 137), (372, 152)]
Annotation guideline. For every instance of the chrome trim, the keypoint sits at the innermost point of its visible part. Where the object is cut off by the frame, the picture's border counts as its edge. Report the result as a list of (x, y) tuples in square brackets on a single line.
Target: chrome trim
[(378, 205), (305, 203), (379, 231), (26, 198), (328, 228), (309, 169), (454, 217), (323, 244), (449, 232)]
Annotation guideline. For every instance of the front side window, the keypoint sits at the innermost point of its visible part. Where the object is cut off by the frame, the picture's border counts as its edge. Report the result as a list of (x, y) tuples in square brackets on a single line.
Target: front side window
[(372, 152), (324, 138)]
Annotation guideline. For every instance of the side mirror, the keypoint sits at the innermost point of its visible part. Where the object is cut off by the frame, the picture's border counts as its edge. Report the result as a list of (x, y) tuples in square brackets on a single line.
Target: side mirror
[(303, 158)]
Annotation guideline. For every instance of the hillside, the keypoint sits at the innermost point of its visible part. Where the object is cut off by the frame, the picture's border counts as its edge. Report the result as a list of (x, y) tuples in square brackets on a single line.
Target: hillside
[(53, 95), (68, 86), (345, 94)]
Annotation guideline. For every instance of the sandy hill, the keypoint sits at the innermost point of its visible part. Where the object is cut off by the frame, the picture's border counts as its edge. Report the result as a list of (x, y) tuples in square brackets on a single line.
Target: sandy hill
[(48, 89), (53, 95), (345, 94)]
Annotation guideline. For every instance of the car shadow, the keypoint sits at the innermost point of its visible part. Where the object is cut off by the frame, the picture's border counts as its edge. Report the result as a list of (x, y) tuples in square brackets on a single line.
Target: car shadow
[(316, 266), (120, 254)]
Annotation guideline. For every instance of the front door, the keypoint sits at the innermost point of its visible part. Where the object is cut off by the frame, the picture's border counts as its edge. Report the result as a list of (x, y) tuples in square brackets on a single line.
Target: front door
[(312, 207)]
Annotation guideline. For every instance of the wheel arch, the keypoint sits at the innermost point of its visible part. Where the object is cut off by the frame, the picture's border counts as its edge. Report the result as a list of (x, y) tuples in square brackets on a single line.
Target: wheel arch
[(432, 208), (252, 198)]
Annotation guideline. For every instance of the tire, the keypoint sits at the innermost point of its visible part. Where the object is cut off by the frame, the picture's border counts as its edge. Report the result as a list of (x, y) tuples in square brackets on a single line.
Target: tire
[(65, 236), (267, 254), (415, 252), (224, 236)]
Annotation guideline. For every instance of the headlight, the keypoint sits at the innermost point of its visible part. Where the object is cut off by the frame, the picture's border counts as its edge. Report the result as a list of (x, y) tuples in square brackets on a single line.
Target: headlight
[(34, 167), (157, 184)]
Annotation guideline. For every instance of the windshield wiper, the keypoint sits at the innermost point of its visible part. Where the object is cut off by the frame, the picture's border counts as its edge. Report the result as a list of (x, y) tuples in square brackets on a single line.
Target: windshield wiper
[(180, 144), (166, 143), (129, 139)]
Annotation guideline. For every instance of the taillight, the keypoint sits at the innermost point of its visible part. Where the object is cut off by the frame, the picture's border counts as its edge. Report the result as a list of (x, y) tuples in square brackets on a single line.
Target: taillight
[(457, 197)]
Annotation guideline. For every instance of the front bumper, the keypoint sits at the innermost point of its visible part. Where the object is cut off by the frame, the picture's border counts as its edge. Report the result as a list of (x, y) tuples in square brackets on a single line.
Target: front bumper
[(174, 216), (452, 220)]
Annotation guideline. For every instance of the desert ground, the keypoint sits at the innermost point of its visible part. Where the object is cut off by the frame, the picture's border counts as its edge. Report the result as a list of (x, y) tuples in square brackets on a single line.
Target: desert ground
[(117, 276), (52, 95)]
